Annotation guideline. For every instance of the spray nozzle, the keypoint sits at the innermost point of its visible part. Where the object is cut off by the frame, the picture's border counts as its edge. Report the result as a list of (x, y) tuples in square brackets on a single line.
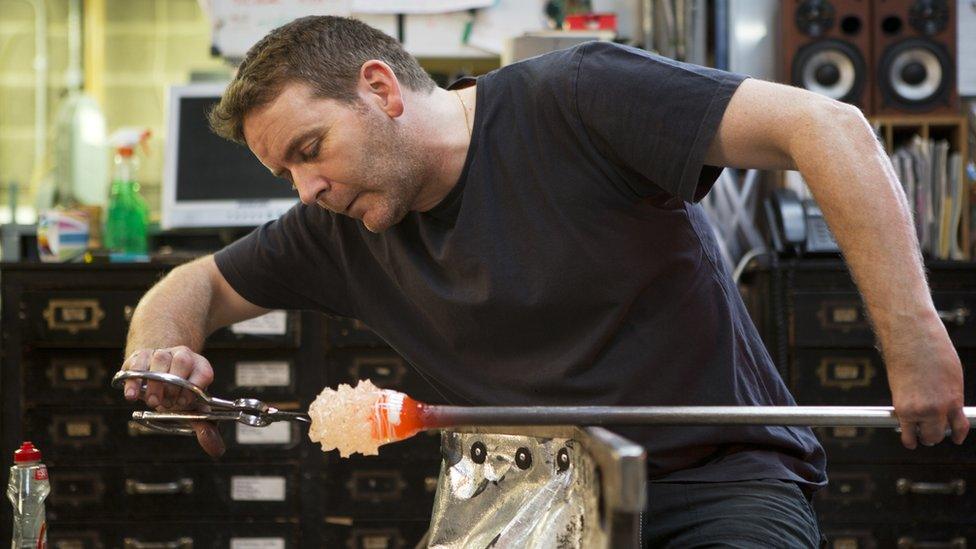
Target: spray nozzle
[(125, 140)]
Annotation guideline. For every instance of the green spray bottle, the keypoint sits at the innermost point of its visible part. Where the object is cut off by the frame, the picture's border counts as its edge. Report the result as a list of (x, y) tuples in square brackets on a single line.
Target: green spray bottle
[(127, 219)]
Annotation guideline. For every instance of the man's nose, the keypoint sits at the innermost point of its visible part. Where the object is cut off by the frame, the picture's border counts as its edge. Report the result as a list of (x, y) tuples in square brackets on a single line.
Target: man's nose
[(305, 192), (308, 186)]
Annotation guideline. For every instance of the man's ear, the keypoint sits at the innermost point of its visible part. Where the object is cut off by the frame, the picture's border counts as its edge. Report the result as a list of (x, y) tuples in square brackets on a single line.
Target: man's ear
[(378, 84)]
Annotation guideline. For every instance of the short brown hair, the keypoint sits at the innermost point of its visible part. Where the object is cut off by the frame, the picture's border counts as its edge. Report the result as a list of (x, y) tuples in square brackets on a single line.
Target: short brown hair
[(324, 52)]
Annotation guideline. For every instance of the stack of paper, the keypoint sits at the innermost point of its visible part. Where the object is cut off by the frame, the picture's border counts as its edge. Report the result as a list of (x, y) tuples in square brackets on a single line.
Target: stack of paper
[(930, 176)]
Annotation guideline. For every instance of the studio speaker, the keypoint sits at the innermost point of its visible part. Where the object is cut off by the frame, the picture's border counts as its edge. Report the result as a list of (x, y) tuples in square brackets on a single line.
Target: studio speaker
[(826, 48), (914, 44)]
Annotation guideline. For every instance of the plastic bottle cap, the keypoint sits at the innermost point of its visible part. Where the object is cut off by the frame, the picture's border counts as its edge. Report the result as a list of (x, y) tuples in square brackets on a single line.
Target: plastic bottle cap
[(27, 453)]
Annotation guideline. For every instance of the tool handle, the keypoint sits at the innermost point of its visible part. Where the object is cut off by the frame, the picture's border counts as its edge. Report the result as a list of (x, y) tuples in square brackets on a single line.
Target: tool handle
[(178, 423), (121, 376)]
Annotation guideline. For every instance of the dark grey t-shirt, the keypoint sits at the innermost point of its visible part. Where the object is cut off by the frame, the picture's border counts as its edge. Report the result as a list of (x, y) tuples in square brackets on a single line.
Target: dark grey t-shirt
[(568, 266)]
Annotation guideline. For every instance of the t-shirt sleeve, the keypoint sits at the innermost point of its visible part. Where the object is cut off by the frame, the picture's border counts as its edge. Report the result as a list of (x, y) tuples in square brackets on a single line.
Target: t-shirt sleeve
[(289, 263), (654, 115)]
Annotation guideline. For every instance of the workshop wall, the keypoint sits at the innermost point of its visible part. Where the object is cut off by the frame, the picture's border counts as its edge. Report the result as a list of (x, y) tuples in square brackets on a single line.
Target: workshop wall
[(149, 45)]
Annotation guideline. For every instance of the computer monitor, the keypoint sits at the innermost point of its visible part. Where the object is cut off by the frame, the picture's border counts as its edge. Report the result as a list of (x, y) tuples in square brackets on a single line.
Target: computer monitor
[(209, 181)]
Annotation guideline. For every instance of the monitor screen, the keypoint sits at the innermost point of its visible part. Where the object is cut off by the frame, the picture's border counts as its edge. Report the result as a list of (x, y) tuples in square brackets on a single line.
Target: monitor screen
[(209, 181)]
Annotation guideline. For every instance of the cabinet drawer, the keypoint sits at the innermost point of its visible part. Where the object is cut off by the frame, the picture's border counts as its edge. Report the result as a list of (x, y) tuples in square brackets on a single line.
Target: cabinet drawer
[(870, 445), (99, 434), (854, 377), (79, 377), (71, 377), (384, 368), (372, 487), (77, 318), (351, 533), (424, 447), (174, 535), (172, 490), (81, 318), (349, 332), (839, 319), (829, 319), (958, 312), (274, 329), (903, 536), (897, 493)]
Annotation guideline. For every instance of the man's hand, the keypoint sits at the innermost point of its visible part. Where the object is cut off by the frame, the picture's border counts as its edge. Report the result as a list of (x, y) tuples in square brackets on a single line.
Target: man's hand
[(926, 381), (183, 362)]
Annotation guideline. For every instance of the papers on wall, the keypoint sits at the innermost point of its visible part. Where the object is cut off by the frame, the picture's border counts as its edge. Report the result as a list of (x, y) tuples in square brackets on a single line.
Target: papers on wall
[(931, 176), (439, 35), (417, 6), (236, 26), (433, 28), (504, 21)]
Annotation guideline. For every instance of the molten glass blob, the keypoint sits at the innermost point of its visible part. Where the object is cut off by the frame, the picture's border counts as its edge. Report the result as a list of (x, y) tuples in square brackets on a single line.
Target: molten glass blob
[(363, 418)]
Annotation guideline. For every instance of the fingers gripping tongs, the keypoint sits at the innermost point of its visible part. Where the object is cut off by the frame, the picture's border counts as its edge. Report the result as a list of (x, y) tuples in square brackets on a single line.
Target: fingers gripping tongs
[(249, 411)]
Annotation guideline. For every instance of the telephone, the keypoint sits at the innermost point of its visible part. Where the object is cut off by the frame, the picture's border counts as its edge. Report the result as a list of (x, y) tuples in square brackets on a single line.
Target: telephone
[(797, 227)]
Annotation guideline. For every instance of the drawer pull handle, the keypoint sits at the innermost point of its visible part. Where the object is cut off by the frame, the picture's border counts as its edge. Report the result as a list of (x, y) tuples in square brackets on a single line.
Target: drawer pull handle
[(955, 487), (181, 543), (375, 486), (955, 316), (385, 372), (181, 486), (906, 542)]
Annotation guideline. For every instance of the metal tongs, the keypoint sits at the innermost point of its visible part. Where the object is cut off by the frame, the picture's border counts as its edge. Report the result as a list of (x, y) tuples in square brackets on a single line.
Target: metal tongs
[(249, 411)]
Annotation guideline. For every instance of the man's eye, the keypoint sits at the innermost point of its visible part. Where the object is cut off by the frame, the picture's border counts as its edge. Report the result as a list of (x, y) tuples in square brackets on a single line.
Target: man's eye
[(310, 153)]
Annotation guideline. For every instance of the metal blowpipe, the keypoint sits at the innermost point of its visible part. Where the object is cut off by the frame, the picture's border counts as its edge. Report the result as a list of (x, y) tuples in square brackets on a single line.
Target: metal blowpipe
[(812, 416)]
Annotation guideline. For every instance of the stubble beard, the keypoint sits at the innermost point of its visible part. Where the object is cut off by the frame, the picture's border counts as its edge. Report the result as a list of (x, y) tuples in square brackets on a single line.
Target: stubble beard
[(394, 169)]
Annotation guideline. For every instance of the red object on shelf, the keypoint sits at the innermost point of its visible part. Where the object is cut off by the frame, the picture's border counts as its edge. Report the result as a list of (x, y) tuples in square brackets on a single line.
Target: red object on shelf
[(591, 21)]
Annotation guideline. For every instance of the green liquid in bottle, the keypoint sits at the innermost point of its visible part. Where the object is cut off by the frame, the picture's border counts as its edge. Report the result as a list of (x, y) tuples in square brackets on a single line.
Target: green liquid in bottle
[(127, 220)]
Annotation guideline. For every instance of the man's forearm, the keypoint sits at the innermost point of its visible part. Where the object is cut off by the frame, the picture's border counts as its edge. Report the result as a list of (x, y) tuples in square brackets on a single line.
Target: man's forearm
[(175, 311), (856, 187)]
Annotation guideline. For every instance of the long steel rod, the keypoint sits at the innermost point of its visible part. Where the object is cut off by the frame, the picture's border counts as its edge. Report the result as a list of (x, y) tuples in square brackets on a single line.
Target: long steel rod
[(813, 416)]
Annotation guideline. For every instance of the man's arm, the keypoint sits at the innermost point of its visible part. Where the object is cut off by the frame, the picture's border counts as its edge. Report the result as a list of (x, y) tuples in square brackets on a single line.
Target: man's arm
[(772, 126), (168, 329)]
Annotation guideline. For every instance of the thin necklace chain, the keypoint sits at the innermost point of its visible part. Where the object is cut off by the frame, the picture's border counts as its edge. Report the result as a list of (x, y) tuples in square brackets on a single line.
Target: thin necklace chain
[(464, 109)]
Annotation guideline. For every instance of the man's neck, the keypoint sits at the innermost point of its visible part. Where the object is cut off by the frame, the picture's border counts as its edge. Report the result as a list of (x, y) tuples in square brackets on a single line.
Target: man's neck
[(445, 127)]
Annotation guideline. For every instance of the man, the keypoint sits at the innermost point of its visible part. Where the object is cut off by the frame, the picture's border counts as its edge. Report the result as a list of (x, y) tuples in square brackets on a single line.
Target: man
[(533, 238)]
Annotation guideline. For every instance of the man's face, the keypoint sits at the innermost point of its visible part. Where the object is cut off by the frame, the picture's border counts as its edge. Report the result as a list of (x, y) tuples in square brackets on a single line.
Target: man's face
[(351, 159)]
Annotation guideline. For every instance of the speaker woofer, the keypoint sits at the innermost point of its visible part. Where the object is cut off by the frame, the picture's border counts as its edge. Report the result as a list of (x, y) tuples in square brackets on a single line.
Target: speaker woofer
[(833, 68), (915, 74)]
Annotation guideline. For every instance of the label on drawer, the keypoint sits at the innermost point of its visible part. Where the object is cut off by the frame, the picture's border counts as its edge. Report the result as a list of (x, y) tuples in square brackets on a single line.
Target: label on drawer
[(78, 429), (276, 433), (257, 543), (273, 323), (75, 373), (272, 373), (257, 488)]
